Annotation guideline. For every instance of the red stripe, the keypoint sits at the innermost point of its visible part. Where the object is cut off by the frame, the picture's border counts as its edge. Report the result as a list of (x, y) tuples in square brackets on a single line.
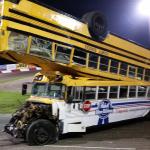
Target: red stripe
[(32, 69)]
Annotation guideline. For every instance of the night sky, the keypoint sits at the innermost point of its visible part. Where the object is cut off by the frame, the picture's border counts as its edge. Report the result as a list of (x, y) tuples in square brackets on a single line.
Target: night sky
[(122, 16)]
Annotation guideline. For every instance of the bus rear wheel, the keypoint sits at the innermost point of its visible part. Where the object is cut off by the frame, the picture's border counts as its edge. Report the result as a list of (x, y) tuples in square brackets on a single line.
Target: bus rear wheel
[(41, 132)]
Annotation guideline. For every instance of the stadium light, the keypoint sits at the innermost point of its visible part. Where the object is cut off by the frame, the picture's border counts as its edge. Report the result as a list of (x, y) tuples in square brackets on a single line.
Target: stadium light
[(144, 7)]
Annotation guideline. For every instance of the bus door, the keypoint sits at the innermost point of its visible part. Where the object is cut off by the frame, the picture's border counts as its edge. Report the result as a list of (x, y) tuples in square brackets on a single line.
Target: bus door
[(73, 111), (90, 105), (75, 99)]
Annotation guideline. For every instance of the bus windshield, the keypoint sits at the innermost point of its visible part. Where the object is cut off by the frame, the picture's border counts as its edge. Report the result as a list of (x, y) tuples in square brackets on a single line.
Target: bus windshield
[(48, 90)]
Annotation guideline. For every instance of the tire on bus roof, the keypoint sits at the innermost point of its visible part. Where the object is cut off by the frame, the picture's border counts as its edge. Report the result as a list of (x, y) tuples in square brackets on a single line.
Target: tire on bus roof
[(97, 25)]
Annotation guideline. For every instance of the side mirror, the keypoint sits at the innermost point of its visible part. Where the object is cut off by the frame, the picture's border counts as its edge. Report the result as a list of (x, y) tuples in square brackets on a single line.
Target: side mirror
[(24, 89), (70, 99)]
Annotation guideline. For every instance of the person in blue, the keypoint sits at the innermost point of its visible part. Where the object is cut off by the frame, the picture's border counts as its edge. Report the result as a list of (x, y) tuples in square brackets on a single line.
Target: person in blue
[(105, 108)]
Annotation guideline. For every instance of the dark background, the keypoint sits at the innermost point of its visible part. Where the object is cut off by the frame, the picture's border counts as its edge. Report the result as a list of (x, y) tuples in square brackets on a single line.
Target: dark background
[(122, 17)]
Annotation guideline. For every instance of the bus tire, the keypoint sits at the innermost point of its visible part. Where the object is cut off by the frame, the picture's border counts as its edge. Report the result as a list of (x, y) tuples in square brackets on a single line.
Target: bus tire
[(41, 132), (148, 116), (97, 25)]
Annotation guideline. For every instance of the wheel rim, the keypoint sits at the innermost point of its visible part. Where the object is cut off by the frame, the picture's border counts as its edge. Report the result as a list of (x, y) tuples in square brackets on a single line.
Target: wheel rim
[(41, 135)]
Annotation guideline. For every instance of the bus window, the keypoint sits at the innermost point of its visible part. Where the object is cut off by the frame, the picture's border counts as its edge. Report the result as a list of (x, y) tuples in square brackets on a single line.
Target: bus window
[(104, 63), (148, 95), (123, 92), (123, 69), (132, 91), (113, 92), (93, 59), (147, 75), (141, 91), (114, 66), (39, 89), (79, 57), (18, 42), (63, 54), (102, 92), (132, 71), (69, 91), (90, 93), (56, 91), (77, 93), (41, 47), (140, 73)]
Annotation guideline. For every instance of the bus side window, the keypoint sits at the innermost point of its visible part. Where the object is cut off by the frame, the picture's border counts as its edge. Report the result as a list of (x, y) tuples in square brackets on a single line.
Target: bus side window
[(63, 54), (132, 71), (41, 47), (123, 69), (79, 57), (132, 91), (140, 73), (141, 91), (114, 66), (123, 92), (104, 61), (76, 93), (90, 93), (17, 42), (93, 60), (102, 92), (113, 92), (147, 75), (148, 95)]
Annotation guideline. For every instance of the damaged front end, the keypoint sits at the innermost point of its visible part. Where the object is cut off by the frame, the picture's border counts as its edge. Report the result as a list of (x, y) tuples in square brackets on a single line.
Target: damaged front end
[(23, 117)]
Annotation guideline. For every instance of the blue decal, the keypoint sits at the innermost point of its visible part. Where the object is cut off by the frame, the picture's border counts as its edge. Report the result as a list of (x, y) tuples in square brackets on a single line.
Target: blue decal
[(103, 111), (94, 106), (136, 102)]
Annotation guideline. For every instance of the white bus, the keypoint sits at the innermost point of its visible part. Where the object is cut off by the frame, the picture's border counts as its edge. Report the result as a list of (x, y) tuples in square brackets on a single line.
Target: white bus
[(65, 104)]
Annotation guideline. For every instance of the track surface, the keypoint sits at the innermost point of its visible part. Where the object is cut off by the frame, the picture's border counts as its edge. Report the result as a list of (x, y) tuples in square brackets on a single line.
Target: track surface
[(132, 135), (13, 81)]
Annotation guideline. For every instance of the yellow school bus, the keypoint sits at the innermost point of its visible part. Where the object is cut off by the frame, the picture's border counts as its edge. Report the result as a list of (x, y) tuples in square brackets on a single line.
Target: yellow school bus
[(33, 33), (89, 77)]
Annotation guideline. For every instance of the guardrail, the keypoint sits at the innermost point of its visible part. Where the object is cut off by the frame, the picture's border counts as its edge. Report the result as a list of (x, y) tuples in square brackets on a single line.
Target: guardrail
[(17, 68)]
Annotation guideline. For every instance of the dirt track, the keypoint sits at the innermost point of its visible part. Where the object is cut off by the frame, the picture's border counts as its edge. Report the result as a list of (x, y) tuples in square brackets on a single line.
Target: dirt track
[(13, 82)]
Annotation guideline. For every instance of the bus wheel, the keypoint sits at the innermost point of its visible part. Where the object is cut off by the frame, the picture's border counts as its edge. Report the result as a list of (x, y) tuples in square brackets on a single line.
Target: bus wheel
[(148, 116), (41, 132), (97, 25)]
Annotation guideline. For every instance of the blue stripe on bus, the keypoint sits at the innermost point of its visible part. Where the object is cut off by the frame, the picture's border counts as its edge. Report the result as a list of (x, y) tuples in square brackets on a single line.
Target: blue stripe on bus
[(94, 106), (128, 103)]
